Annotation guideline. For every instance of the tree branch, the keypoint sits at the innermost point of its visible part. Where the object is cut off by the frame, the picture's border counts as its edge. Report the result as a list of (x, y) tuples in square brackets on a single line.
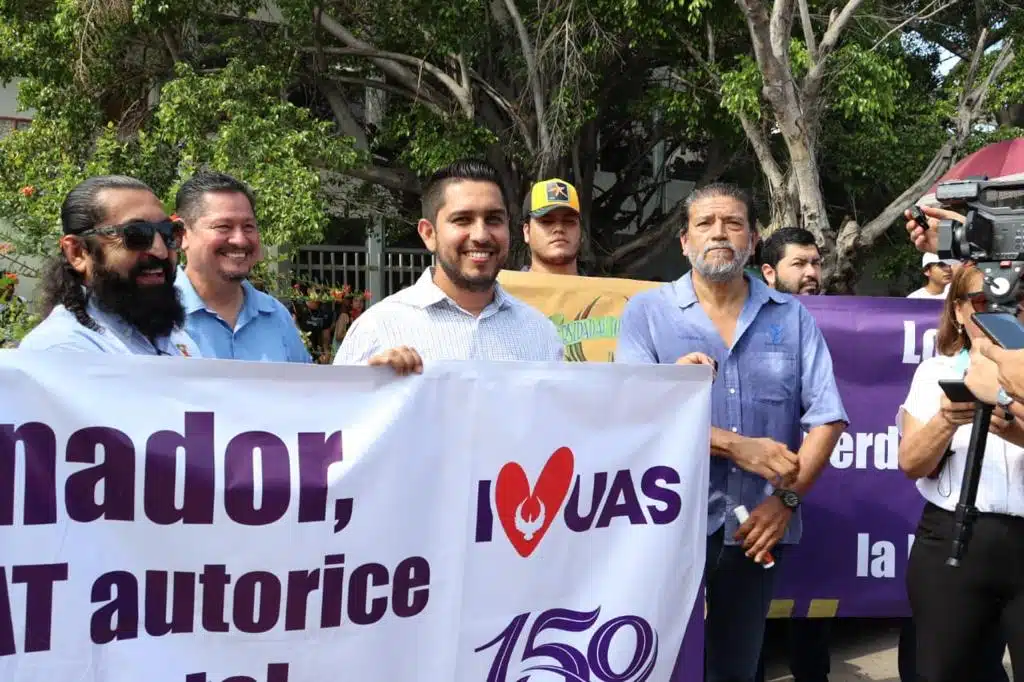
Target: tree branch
[(392, 178), (648, 238), (809, 38), (940, 163), (972, 102), (396, 71), (781, 28), (462, 97), (912, 19), (503, 104), (343, 113), (763, 151), (651, 238), (759, 24), (836, 25), (536, 87), (816, 74), (171, 44), (384, 86), (464, 78)]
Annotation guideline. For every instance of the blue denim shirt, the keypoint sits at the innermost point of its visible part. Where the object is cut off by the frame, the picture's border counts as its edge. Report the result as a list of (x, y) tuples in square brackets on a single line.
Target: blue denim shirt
[(775, 382), (264, 330)]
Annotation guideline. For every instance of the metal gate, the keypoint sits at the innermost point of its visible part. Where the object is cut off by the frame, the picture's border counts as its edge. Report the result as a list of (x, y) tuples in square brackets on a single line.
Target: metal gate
[(335, 266)]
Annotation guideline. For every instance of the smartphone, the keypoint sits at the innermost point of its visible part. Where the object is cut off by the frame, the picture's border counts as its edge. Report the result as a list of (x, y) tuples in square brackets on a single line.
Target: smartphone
[(1003, 329), (957, 391)]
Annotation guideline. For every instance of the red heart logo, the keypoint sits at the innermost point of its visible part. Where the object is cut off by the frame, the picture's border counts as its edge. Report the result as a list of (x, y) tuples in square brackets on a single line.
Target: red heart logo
[(526, 516)]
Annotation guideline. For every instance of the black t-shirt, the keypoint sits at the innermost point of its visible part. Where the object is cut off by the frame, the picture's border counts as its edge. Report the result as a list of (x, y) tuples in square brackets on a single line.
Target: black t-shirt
[(314, 322)]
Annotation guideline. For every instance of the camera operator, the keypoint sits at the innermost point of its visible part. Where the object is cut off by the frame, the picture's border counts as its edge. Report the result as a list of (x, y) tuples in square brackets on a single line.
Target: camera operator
[(958, 611)]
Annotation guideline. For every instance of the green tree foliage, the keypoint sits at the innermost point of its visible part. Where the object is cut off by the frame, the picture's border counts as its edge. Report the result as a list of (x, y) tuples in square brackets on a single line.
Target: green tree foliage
[(119, 102), (301, 98)]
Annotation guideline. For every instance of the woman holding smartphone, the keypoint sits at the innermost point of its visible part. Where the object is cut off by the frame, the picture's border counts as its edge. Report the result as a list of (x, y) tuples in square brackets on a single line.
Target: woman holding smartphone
[(960, 613)]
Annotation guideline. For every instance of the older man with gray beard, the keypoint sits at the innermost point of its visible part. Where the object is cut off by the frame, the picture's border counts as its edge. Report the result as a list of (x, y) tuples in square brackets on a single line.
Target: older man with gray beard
[(774, 381)]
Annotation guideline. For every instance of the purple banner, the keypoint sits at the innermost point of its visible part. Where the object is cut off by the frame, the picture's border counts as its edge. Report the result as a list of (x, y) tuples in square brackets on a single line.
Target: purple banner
[(860, 517)]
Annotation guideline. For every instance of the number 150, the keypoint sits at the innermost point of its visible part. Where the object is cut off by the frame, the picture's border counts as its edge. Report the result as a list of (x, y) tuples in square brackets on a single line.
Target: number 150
[(570, 663)]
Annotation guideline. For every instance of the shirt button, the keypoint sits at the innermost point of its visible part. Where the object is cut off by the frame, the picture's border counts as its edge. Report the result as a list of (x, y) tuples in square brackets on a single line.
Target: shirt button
[(734, 429), (732, 390), (734, 470)]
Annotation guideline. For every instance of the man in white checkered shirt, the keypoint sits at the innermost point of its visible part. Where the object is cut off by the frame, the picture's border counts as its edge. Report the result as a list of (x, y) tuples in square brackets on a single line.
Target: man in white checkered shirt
[(457, 310)]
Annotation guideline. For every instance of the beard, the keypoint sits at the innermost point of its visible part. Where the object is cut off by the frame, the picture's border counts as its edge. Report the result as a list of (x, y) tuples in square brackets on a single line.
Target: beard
[(812, 286), (723, 271), (474, 283), (152, 309)]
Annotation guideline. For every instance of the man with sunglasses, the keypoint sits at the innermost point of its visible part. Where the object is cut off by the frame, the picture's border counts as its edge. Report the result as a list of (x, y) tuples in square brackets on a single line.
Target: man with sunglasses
[(111, 288), (226, 315)]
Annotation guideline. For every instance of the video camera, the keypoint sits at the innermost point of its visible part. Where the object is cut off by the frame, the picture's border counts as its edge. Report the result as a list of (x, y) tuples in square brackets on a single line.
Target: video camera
[(992, 236)]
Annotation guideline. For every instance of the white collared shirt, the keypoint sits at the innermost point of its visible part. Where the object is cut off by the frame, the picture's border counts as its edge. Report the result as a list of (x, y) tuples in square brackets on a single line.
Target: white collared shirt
[(1001, 488), (62, 331), (424, 318)]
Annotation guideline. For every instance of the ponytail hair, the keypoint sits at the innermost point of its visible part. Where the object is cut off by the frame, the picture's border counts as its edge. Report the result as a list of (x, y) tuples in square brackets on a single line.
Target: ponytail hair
[(63, 285)]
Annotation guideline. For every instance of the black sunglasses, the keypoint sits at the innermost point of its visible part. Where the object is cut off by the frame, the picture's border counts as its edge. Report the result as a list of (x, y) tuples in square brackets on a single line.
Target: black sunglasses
[(977, 300), (980, 303), (138, 235)]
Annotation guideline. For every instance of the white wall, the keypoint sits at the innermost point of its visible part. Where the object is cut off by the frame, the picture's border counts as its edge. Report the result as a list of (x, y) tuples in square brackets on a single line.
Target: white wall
[(9, 101), (9, 108)]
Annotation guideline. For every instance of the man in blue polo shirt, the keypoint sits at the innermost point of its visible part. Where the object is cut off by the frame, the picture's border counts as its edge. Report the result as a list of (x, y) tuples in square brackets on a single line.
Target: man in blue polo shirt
[(226, 315), (774, 380)]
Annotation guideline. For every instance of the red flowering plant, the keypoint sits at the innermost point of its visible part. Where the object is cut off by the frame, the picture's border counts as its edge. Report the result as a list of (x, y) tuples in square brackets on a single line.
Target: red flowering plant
[(296, 293), (16, 320), (302, 291)]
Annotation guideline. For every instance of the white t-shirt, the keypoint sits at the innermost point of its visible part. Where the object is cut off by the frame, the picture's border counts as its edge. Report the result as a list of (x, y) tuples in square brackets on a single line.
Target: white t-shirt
[(923, 293), (1001, 488)]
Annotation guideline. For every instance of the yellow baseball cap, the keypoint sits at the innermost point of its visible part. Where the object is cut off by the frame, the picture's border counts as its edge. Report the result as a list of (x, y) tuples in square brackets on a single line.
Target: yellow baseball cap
[(547, 195)]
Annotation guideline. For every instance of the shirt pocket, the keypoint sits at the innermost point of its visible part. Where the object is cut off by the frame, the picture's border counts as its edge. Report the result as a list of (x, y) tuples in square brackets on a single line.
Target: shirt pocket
[(772, 377)]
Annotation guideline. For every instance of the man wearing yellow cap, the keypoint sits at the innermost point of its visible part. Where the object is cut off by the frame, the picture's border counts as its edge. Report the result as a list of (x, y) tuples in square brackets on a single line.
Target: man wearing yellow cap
[(551, 227)]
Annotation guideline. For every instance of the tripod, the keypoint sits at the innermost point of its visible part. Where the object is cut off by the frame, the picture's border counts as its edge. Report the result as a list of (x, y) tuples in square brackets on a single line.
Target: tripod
[(1000, 291), (966, 512)]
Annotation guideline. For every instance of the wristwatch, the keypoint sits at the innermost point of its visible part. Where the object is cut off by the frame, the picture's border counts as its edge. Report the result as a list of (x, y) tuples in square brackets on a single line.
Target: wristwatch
[(788, 497)]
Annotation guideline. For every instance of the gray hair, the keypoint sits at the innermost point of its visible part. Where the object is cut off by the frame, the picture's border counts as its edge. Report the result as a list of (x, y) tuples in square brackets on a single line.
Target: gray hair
[(719, 189)]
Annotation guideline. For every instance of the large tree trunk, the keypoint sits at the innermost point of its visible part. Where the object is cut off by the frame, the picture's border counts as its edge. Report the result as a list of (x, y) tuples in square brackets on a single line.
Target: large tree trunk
[(783, 206), (803, 164), (839, 270)]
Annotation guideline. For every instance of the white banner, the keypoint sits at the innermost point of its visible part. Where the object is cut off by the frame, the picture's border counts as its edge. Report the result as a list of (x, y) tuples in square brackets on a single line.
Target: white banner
[(177, 520)]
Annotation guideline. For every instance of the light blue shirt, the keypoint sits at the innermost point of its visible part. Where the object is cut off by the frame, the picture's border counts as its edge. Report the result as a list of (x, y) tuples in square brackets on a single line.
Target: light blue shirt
[(264, 331), (61, 331), (775, 380)]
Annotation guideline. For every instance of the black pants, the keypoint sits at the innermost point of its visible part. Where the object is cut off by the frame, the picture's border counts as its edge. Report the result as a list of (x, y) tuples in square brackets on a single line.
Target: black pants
[(958, 612), (807, 645), (988, 669)]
